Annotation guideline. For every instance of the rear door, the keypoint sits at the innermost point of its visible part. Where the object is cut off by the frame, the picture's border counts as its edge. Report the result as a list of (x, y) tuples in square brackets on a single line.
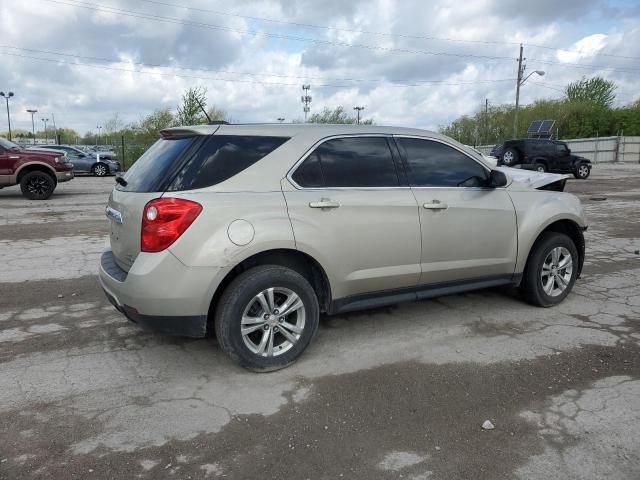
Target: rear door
[(468, 230), (350, 210)]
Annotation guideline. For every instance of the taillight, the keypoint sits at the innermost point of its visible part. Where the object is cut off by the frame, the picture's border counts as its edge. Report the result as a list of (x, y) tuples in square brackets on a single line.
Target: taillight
[(164, 220)]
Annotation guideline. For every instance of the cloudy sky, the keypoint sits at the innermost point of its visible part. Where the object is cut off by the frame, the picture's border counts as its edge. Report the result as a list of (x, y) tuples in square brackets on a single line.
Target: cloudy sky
[(408, 62)]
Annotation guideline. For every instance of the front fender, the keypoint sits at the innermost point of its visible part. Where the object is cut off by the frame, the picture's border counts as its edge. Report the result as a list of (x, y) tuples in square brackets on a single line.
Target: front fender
[(536, 210)]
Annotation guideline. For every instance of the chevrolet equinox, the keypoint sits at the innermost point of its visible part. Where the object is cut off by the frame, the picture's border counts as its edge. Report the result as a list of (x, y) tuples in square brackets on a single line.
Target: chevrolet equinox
[(253, 231)]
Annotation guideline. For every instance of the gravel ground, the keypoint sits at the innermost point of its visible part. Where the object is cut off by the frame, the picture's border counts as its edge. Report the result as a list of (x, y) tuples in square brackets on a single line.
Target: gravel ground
[(396, 392)]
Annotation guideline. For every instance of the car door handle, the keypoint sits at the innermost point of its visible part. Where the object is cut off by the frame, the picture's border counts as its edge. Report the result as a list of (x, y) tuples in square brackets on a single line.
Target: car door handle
[(435, 205), (324, 203)]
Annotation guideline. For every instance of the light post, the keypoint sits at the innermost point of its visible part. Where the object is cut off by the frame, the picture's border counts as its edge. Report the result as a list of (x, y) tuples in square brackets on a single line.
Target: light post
[(33, 125), (280, 119), (46, 138), (358, 109), (7, 96), (99, 127), (520, 84)]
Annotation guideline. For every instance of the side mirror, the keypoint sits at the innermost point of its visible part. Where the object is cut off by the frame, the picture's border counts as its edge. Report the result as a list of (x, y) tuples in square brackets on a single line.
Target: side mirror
[(497, 179)]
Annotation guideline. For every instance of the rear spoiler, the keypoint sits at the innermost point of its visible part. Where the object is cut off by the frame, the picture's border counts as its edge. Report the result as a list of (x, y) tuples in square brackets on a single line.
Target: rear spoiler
[(184, 132)]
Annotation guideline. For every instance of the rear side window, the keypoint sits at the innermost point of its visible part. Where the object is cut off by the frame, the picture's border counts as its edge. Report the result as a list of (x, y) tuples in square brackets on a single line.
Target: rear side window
[(151, 170), (221, 157), (434, 164), (349, 163)]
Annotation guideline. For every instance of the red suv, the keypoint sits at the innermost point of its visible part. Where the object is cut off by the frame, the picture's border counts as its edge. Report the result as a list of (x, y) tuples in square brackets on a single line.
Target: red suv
[(36, 171)]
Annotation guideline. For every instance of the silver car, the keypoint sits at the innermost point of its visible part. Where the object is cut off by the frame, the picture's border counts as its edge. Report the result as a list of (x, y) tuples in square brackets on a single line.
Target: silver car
[(253, 231)]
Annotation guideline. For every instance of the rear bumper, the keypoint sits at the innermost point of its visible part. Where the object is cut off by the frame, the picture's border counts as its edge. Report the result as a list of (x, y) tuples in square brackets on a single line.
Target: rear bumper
[(160, 293)]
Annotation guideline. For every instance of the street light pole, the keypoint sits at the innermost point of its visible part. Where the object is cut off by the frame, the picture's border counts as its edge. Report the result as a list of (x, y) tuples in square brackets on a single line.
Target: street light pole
[(7, 96), (46, 138), (358, 109), (520, 83), (99, 127), (33, 111)]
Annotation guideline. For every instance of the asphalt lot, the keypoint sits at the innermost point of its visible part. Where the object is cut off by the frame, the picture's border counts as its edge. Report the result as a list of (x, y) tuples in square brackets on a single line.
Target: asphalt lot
[(396, 392)]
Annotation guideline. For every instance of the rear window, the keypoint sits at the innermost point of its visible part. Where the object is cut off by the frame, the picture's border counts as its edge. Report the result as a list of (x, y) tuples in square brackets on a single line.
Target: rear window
[(151, 171), (221, 157)]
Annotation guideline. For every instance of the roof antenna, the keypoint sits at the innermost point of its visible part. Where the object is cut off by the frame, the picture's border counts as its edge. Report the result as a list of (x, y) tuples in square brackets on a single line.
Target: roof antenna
[(203, 111)]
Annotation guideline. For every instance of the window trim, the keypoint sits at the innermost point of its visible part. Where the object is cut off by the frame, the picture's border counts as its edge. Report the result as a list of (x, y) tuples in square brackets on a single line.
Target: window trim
[(402, 183), (432, 139)]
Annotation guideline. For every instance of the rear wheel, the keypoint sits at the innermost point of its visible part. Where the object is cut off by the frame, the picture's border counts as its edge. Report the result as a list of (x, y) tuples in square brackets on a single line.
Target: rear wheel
[(582, 171), (540, 167), (37, 185), (510, 157), (551, 270), (100, 170), (267, 317)]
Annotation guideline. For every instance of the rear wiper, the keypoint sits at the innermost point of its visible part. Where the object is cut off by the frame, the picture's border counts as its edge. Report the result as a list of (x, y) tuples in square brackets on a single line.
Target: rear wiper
[(121, 180)]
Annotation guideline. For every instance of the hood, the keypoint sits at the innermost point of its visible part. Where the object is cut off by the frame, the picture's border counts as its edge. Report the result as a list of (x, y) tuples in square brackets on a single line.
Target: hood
[(43, 152), (533, 179)]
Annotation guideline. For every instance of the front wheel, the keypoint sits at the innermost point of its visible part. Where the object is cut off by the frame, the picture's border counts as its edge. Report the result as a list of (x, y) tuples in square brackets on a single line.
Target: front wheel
[(37, 185), (551, 271), (540, 167), (267, 317), (582, 172), (510, 157), (100, 170)]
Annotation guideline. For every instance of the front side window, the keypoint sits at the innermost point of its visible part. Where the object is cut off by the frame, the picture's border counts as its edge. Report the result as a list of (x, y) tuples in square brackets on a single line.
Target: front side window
[(434, 164), (351, 162)]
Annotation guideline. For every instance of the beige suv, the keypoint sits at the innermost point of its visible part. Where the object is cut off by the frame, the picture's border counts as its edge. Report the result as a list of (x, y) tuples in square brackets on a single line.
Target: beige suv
[(256, 230)]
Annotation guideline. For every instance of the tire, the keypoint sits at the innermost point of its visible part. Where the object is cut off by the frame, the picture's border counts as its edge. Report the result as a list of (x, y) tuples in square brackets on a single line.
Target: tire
[(541, 256), (240, 300), (540, 167), (582, 171), (100, 170), (37, 185), (510, 157)]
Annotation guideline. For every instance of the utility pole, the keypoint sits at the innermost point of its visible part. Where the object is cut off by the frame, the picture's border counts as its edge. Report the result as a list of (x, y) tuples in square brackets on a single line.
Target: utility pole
[(46, 138), (306, 100), (7, 96), (55, 129), (486, 121), (33, 111), (358, 109), (518, 83)]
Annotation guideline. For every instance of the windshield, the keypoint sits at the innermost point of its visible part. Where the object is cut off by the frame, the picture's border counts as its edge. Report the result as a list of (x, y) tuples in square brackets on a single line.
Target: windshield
[(7, 144)]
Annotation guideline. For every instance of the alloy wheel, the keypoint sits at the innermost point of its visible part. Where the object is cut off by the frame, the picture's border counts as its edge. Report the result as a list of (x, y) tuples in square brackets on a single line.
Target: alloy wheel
[(556, 271), (38, 186), (273, 322), (583, 171), (508, 157), (100, 170)]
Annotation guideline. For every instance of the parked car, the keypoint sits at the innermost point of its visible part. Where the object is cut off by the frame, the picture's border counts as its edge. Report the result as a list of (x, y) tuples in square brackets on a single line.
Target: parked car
[(255, 230), (38, 172), (87, 162), (544, 156)]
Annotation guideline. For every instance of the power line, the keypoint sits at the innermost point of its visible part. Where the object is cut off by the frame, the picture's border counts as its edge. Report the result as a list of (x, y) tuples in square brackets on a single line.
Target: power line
[(398, 82), (588, 66), (235, 80), (371, 32), (173, 20)]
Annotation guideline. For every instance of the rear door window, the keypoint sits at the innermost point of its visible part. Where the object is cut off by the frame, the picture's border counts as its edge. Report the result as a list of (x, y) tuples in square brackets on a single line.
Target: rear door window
[(221, 157), (351, 162)]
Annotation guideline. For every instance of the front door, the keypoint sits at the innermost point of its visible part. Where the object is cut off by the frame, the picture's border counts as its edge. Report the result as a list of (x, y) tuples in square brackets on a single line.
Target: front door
[(562, 157), (468, 230), (349, 210)]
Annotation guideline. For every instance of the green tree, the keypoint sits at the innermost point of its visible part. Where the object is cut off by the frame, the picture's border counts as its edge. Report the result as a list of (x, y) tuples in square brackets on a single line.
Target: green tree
[(190, 111), (594, 90), (335, 116)]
